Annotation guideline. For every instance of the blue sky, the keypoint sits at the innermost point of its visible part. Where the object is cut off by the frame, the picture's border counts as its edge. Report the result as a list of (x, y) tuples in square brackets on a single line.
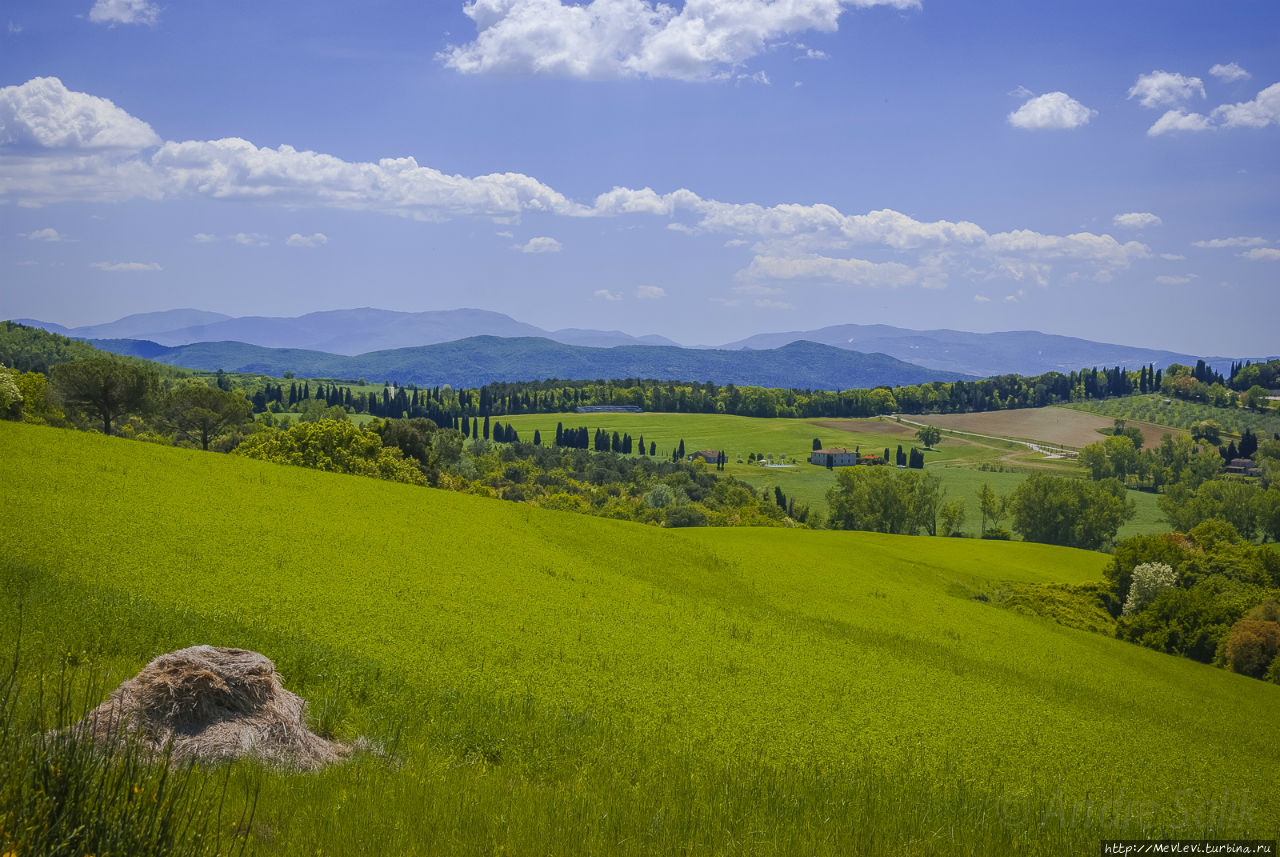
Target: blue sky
[(704, 170)]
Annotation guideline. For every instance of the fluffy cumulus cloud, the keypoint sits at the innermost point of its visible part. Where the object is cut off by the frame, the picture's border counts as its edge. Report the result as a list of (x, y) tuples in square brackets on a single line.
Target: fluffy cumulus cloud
[(1165, 89), (540, 244), (1229, 72), (1179, 120), (51, 235), (1136, 220), (1258, 113), (1053, 110), (704, 39), (1262, 254), (1237, 241), (124, 12), (315, 239), (606, 295), (650, 293), (126, 266), (44, 114)]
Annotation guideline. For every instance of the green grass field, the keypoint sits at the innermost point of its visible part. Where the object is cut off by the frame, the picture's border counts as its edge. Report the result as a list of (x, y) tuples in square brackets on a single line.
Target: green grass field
[(543, 683), (958, 460)]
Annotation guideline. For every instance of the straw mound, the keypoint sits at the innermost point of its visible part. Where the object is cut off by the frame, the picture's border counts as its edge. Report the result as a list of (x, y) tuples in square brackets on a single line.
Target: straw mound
[(212, 703)]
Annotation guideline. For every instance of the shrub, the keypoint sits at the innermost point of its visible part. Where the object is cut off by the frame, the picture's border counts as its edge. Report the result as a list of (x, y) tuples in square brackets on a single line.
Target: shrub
[(1251, 646)]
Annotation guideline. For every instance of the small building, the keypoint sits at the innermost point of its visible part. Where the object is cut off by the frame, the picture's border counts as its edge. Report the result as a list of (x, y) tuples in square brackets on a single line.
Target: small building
[(710, 456), (836, 456), (1244, 467)]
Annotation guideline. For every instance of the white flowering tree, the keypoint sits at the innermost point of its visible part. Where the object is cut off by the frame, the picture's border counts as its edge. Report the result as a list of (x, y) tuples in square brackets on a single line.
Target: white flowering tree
[(1149, 580)]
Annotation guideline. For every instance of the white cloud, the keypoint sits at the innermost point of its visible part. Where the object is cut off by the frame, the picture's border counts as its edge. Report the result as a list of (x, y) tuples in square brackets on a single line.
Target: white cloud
[(1258, 113), (981, 299), (126, 266), (540, 244), (204, 238), (703, 40), (1053, 110), (1179, 120), (124, 12), (1172, 257), (766, 303), (1136, 220), (1229, 72), (1238, 241), (812, 54), (315, 239), (51, 235), (15, 28), (1262, 254), (506, 234), (650, 293), (1021, 91), (250, 239), (605, 294), (44, 114), (236, 169), (853, 272), (1168, 280), (1165, 89)]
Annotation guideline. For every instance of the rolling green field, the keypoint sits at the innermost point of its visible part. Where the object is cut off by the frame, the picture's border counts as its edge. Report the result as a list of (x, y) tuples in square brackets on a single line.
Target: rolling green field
[(544, 683), (959, 461)]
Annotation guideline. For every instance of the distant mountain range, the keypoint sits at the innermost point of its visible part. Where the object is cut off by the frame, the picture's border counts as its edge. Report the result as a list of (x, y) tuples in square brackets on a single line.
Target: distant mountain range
[(350, 331), (361, 331), (481, 360)]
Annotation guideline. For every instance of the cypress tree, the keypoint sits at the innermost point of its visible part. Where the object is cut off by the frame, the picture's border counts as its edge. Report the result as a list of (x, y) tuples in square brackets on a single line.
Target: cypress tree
[(653, 448), (642, 450), (559, 434), (537, 438), (680, 450), (486, 428)]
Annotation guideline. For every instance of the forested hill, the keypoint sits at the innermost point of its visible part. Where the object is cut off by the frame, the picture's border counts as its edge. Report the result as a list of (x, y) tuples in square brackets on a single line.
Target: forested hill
[(484, 360)]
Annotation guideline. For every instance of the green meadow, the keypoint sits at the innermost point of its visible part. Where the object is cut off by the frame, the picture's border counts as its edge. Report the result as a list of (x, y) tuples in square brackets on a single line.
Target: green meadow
[(535, 682), (962, 462)]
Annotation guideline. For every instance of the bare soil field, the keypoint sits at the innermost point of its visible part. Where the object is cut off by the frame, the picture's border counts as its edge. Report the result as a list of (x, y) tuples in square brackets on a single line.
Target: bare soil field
[(1060, 426)]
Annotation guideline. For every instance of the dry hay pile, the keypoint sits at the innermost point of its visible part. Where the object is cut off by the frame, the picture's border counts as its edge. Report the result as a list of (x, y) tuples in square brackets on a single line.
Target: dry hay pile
[(212, 703)]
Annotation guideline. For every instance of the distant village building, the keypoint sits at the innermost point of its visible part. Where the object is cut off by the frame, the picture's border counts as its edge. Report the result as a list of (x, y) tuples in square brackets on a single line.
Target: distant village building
[(1244, 467), (609, 409), (710, 456), (837, 456)]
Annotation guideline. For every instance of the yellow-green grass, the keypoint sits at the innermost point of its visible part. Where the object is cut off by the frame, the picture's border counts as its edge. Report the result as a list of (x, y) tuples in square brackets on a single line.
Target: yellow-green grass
[(958, 461), (551, 683)]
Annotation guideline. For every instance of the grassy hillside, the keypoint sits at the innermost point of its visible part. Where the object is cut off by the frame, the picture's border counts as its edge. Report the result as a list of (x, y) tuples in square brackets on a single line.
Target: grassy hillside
[(549, 683)]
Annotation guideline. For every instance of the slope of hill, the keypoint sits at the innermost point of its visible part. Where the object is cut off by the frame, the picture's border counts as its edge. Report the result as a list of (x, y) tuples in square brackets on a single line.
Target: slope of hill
[(1024, 352), (486, 359), (537, 677)]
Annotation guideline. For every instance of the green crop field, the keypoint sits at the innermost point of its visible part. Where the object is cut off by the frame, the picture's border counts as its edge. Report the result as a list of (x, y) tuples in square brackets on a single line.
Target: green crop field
[(542, 683), (1162, 410), (962, 463)]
